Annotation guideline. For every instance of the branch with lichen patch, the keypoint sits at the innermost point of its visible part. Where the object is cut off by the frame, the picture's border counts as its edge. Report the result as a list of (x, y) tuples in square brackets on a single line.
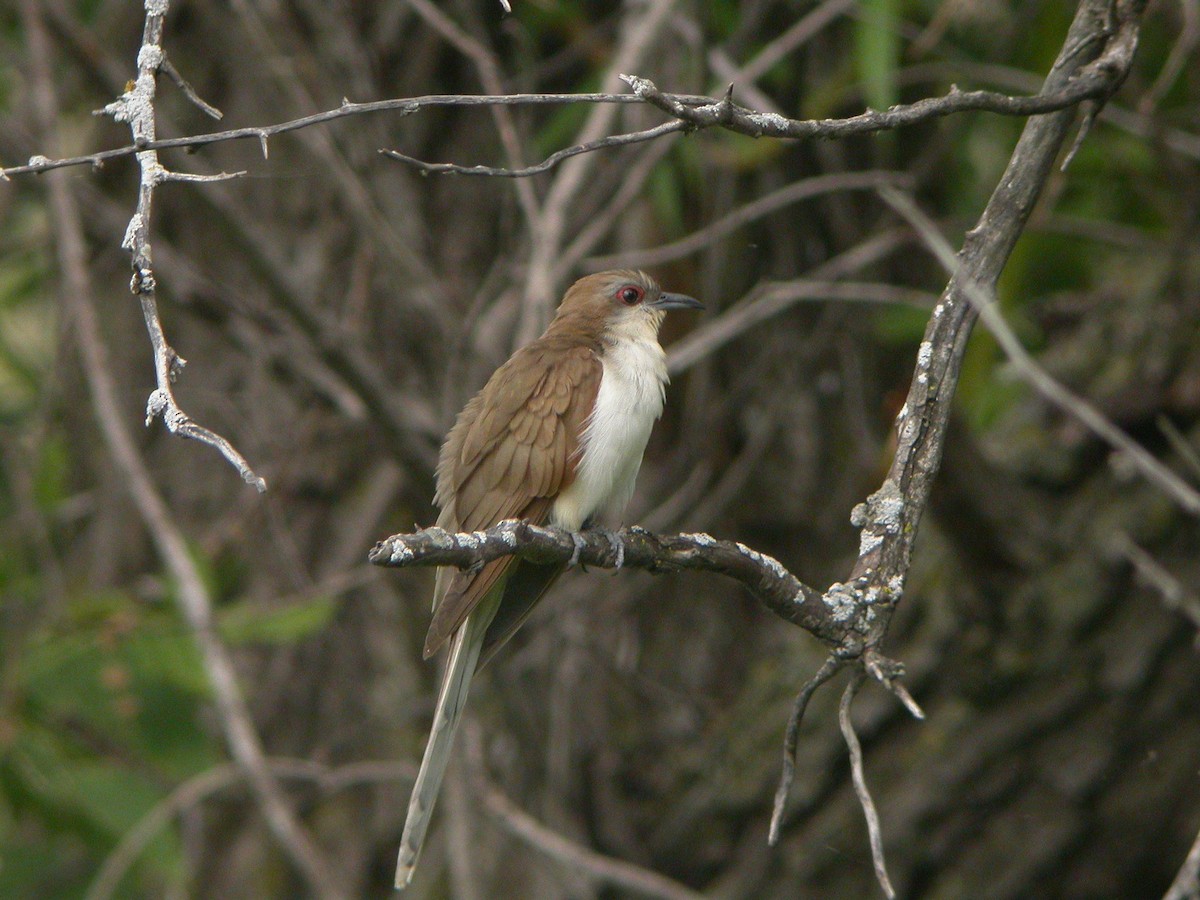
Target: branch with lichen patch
[(839, 617)]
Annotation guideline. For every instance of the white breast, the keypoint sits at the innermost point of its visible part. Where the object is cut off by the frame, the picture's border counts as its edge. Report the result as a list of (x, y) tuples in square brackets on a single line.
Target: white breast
[(630, 399)]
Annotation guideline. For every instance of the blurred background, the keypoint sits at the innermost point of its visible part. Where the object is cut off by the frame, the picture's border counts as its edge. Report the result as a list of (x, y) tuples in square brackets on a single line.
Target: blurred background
[(337, 308)]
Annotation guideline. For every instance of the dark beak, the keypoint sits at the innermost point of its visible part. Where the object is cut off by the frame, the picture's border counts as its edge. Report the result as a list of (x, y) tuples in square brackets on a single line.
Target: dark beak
[(675, 301)]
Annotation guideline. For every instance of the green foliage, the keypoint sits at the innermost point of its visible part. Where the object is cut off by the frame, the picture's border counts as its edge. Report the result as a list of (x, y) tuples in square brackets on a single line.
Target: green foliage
[(100, 719)]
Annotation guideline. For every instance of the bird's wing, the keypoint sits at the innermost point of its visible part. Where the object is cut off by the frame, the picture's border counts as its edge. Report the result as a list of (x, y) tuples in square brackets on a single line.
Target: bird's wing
[(512, 450)]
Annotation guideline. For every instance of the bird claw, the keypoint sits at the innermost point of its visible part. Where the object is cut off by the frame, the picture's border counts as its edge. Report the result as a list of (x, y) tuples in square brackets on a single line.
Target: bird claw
[(579, 545), (618, 546)]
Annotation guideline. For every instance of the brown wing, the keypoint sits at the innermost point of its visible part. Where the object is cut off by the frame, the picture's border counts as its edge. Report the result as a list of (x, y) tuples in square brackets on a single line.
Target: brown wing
[(511, 451)]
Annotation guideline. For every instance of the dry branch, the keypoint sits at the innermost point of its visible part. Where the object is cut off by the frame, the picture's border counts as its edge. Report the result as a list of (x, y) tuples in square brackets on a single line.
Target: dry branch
[(635, 548)]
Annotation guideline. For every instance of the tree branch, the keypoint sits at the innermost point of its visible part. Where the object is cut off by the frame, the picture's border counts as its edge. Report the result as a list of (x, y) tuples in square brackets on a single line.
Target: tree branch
[(779, 590), (616, 140), (627, 876), (136, 107)]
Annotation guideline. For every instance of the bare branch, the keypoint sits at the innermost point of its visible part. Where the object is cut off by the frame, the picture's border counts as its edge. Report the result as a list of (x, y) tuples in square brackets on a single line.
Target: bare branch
[(188, 91), (616, 140), (890, 517), (619, 873), (780, 590), (404, 106), (1093, 83), (136, 107), (874, 832), (791, 739), (804, 189), (770, 299), (888, 673), (1174, 593)]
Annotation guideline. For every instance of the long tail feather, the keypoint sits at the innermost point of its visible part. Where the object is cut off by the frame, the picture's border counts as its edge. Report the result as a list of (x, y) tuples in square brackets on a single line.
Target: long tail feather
[(464, 653)]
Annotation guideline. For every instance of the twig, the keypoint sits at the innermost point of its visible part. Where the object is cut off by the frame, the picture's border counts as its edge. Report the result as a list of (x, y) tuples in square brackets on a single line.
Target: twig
[(136, 107), (618, 873), (724, 113), (616, 140), (784, 594), (828, 669), (874, 832), (188, 91), (244, 744), (771, 299), (262, 133), (888, 673), (1180, 444), (1174, 593), (804, 189), (983, 299)]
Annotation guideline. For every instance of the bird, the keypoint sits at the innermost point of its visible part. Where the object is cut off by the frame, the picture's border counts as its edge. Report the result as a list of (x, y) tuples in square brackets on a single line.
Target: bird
[(556, 437)]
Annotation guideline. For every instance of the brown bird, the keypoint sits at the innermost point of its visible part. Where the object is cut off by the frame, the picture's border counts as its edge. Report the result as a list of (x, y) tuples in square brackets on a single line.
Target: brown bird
[(556, 436)]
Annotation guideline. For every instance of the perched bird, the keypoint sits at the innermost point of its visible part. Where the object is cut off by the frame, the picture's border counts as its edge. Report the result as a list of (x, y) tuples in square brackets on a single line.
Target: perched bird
[(556, 436)]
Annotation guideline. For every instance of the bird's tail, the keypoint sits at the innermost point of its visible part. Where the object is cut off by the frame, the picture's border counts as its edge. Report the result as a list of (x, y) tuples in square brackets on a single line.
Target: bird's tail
[(464, 653)]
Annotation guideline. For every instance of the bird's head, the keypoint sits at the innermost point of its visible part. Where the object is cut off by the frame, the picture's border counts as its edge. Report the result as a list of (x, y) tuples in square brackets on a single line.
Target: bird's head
[(622, 302)]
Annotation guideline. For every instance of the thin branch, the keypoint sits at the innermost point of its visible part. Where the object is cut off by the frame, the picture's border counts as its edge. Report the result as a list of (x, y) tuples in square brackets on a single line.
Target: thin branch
[(404, 106), (616, 140), (515, 820), (791, 739), (804, 189), (1175, 594), (136, 107), (888, 673), (983, 299), (874, 832), (188, 91), (724, 113), (636, 548), (771, 299)]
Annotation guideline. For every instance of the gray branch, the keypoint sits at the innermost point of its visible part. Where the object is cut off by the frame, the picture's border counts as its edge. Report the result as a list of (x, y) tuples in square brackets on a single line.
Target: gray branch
[(136, 108), (827, 617)]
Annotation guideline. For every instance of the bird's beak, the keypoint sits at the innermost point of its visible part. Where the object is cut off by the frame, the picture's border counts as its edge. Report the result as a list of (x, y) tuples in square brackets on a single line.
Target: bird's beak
[(675, 301)]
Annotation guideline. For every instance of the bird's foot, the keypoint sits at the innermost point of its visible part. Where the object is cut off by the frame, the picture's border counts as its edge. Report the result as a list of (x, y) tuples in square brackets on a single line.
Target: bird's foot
[(618, 545), (579, 545)]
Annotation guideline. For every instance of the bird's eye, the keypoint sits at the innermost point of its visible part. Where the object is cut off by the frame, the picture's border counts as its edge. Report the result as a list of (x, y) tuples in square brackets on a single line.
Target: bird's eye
[(630, 294)]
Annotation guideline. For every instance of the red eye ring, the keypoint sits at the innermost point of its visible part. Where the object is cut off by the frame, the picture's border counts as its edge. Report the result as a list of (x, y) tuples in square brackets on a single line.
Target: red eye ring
[(630, 294)]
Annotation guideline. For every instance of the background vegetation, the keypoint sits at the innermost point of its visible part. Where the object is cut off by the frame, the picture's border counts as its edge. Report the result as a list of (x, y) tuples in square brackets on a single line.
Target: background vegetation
[(337, 308)]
